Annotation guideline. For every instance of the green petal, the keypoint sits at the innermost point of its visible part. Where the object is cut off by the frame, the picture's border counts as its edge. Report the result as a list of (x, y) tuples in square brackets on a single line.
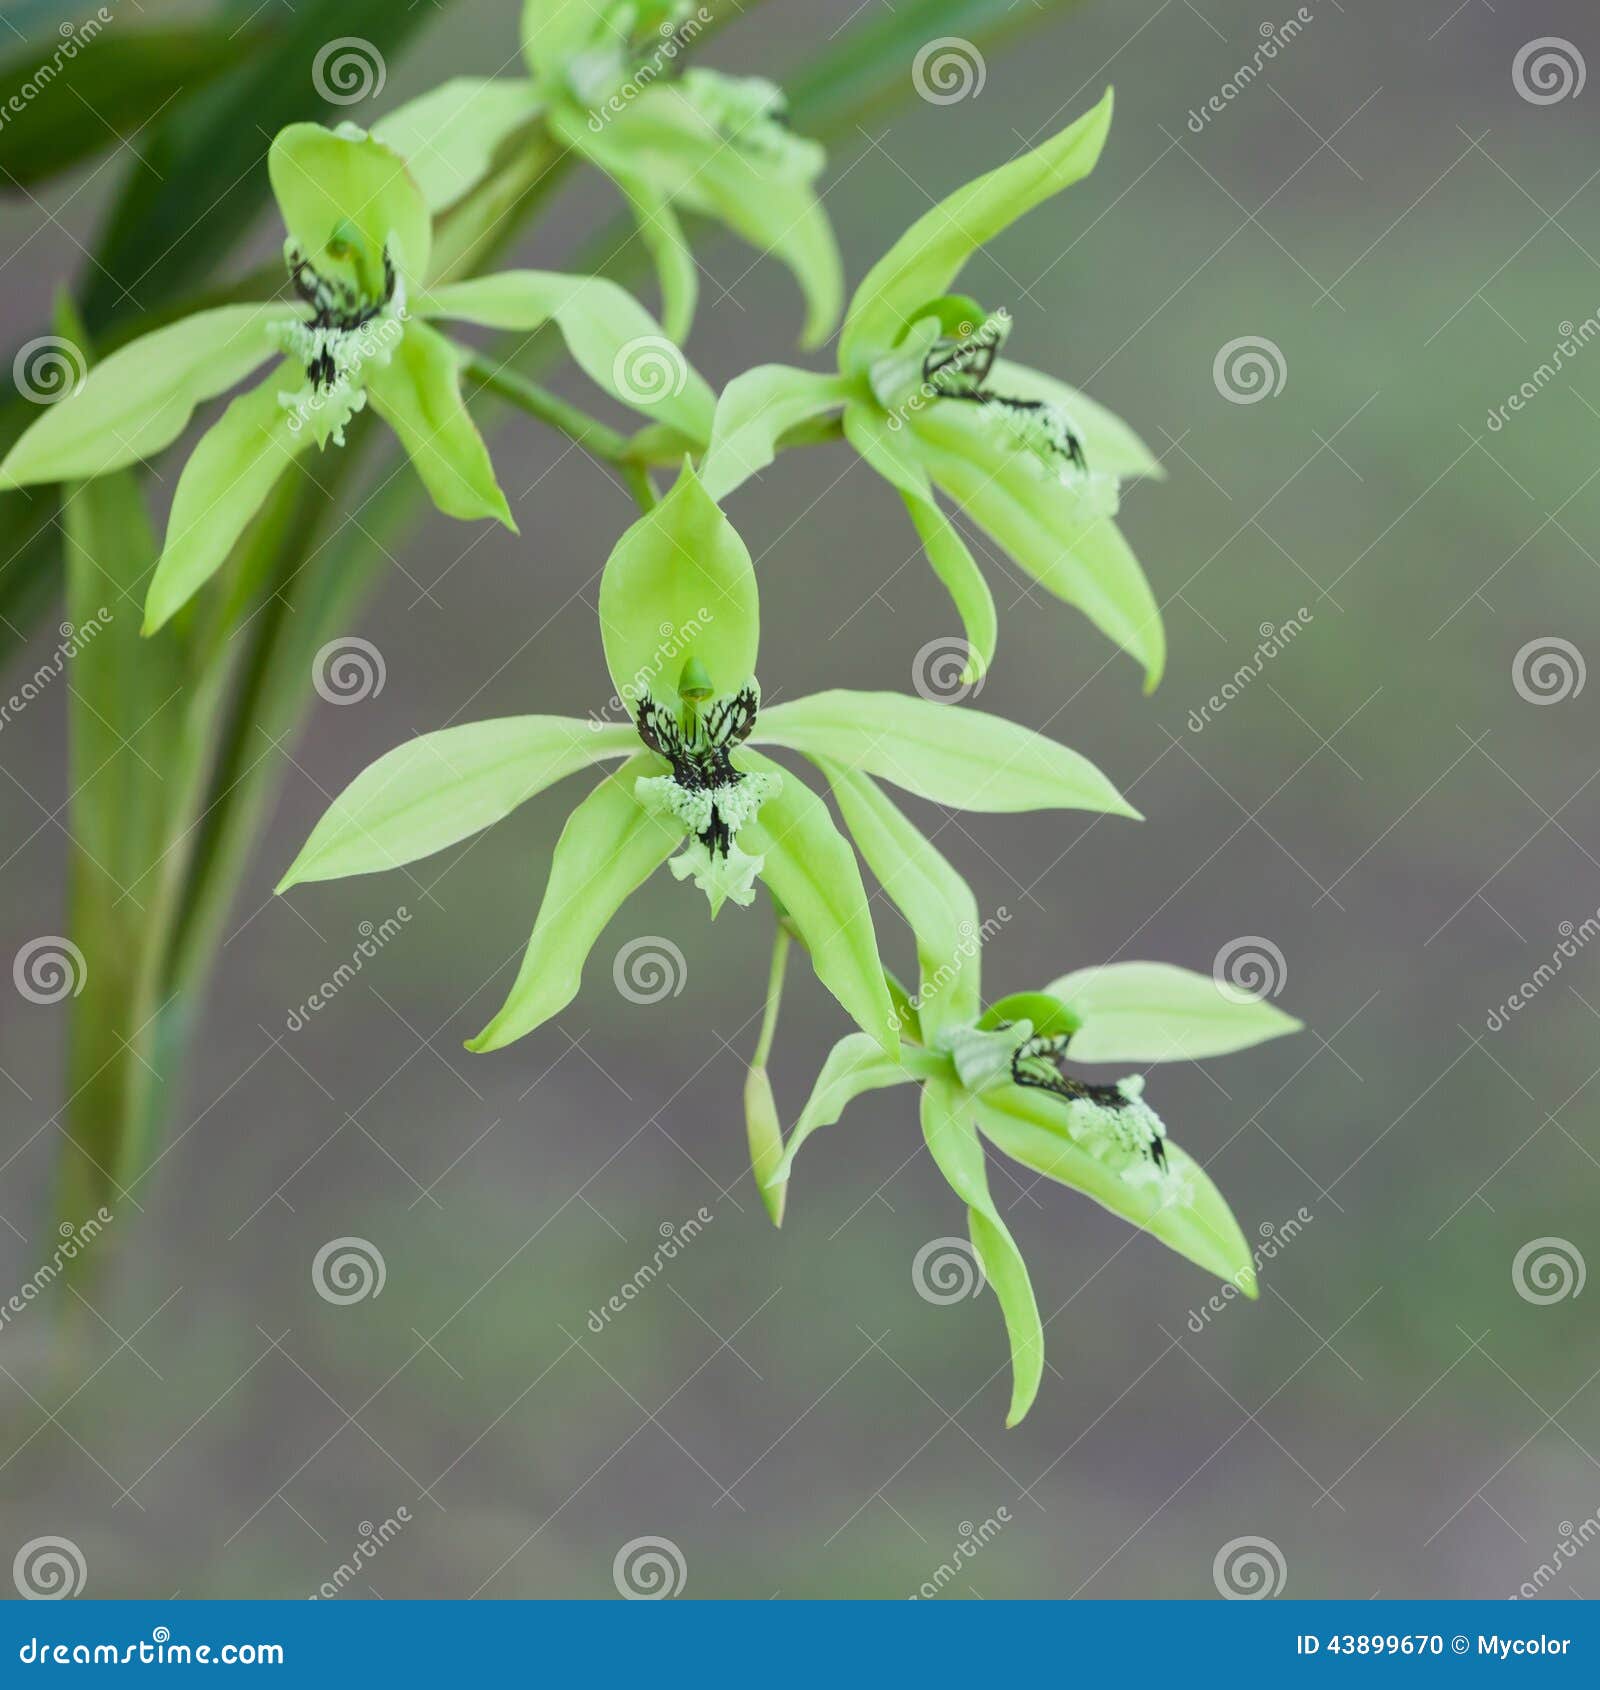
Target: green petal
[(232, 469), (764, 1133), (327, 180), (676, 272), (893, 454), (1059, 533), (679, 585), (754, 411), (553, 30), (140, 399), (856, 1064), (813, 874), (606, 852), (937, 903), (442, 787), (616, 342), (1108, 443), (922, 264), (1030, 1127), (943, 752), (418, 393), (450, 135), (1154, 1012), (953, 1140)]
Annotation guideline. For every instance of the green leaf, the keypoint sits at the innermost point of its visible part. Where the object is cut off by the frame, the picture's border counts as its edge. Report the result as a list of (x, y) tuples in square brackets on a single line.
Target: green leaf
[(677, 274), (813, 874), (894, 456), (679, 585), (449, 136), (608, 849), (937, 903), (139, 399), (856, 1064), (950, 755), (330, 181), (1108, 443), (443, 787), (106, 90), (923, 263), (1155, 1012), (765, 1136), (225, 482), (1030, 1127), (616, 342), (1062, 534), (418, 393), (754, 411), (953, 1140)]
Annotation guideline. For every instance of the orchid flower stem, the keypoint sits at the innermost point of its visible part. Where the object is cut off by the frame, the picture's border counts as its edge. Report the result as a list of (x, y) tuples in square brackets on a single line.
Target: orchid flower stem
[(595, 437), (769, 1020)]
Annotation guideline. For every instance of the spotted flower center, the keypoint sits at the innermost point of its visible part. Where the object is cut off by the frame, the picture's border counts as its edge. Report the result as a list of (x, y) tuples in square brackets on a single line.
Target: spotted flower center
[(705, 793)]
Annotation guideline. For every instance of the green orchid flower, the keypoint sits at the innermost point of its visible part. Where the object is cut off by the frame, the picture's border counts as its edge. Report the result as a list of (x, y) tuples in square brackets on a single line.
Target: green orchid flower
[(358, 332), (680, 626), (1000, 1075), (604, 82), (927, 402)]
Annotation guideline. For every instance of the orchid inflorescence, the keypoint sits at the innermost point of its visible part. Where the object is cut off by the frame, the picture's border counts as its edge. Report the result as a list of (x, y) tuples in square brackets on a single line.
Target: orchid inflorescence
[(920, 391)]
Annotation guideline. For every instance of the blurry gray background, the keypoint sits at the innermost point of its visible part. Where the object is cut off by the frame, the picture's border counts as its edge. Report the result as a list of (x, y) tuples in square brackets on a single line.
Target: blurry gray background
[(1381, 803)]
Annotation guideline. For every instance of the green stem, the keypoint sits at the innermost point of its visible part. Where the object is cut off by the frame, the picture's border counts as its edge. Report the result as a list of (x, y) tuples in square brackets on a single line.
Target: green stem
[(769, 1020), (598, 439)]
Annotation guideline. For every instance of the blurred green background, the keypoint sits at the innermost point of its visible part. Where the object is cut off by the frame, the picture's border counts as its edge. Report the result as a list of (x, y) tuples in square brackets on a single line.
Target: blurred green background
[(1381, 802)]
